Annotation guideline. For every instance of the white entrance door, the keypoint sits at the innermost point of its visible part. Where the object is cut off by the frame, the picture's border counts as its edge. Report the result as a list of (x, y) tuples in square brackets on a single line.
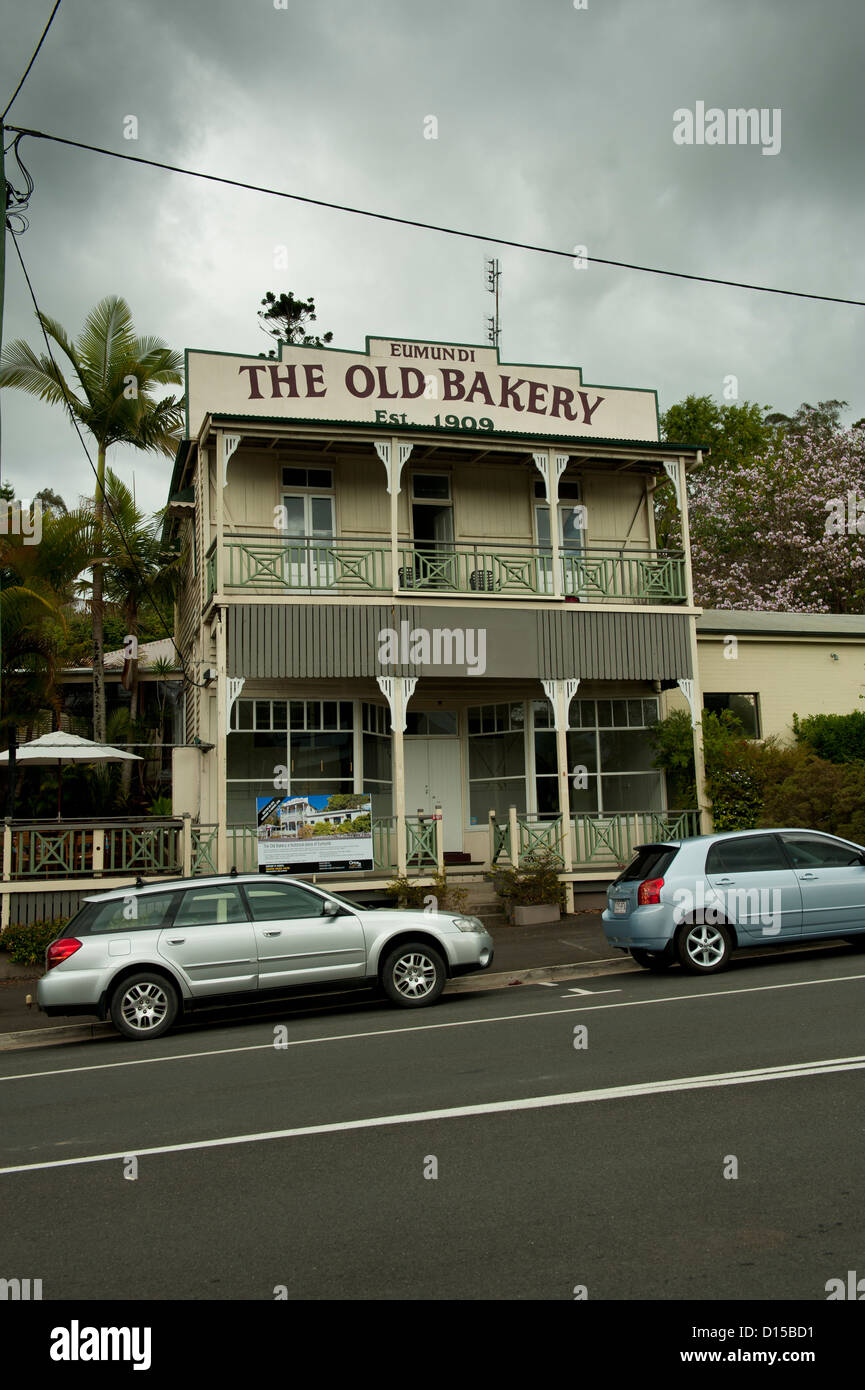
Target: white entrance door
[(432, 778)]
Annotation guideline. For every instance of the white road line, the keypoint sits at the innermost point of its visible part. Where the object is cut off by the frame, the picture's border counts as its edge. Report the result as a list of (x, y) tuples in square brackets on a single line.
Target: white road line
[(646, 1088), (426, 1028)]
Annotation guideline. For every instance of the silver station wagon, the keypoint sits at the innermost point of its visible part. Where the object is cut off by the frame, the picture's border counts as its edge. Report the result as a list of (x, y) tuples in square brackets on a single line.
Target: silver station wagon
[(144, 956), (694, 901)]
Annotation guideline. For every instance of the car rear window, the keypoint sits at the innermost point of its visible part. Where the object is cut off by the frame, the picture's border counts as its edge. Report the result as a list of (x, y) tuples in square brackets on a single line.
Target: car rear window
[(134, 912), (746, 854), (650, 861)]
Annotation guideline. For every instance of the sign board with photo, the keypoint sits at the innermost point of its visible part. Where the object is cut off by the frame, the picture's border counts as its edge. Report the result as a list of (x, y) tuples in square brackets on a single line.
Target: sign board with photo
[(314, 834)]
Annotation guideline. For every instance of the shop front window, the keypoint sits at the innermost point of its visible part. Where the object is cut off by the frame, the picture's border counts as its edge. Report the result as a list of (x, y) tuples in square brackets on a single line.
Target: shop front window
[(306, 745), (609, 758), (497, 760)]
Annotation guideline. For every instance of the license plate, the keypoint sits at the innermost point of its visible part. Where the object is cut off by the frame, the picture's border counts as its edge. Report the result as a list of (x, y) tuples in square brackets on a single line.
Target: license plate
[(620, 907)]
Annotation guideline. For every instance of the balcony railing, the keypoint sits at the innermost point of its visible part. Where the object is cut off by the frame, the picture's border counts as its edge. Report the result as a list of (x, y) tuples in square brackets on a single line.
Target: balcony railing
[(605, 841), (88, 849), (270, 564)]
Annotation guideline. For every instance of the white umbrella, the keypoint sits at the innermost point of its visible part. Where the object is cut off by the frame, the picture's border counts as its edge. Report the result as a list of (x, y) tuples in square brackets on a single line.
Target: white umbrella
[(63, 748)]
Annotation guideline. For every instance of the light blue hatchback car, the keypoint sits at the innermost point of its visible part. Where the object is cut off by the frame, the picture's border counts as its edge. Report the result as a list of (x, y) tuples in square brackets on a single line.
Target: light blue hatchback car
[(695, 901)]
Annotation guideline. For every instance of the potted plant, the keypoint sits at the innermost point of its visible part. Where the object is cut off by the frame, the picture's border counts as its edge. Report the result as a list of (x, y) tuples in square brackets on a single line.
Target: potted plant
[(438, 896), (531, 891)]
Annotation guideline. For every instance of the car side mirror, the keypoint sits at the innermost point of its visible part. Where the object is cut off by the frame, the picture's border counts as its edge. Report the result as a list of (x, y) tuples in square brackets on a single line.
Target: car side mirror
[(330, 908)]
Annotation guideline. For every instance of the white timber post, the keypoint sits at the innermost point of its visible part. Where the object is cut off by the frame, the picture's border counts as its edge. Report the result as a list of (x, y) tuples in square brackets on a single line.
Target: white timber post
[(5, 912), (221, 742), (690, 686), (551, 467), (394, 456), (560, 693), (398, 690), (514, 835)]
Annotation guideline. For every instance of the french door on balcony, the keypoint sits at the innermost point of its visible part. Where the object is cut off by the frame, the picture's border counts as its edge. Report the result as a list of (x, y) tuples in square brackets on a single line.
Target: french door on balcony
[(309, 540), (570, 546), (433, 560)]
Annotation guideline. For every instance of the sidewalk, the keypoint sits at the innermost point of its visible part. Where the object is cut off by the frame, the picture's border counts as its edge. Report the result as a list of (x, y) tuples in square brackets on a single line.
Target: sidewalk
[(574, 941)]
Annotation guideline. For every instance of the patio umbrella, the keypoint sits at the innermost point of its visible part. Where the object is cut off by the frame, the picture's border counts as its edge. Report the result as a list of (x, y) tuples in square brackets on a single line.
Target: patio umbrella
[(63, 748)]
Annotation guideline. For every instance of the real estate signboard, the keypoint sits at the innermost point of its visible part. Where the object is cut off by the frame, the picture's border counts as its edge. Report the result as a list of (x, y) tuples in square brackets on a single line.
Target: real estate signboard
[(314, 834)]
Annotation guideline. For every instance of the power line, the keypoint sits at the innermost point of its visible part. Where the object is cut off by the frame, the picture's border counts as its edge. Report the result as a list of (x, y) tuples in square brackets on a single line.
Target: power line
[(32, 61), (436, 227), (157, 610)]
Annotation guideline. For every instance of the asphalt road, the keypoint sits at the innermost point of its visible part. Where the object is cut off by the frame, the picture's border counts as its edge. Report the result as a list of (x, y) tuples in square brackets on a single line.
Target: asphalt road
[(618, 1186)]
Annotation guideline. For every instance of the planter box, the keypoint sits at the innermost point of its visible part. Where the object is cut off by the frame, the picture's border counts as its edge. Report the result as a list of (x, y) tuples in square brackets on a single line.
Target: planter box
[(535, 914)]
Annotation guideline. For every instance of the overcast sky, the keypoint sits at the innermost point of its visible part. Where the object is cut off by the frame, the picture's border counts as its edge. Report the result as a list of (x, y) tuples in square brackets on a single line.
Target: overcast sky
[(555, 126)]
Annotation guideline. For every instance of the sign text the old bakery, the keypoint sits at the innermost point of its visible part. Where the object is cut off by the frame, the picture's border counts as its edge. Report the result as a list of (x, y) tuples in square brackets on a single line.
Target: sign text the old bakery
[(378, 387)]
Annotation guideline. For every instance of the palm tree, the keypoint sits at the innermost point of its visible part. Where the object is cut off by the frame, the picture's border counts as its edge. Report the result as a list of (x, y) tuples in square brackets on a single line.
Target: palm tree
[(138, 574), (36, 586), (116, 374)]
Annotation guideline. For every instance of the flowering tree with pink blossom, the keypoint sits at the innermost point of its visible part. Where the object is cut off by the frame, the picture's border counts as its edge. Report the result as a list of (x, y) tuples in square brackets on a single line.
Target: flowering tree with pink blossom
[(785, 531)]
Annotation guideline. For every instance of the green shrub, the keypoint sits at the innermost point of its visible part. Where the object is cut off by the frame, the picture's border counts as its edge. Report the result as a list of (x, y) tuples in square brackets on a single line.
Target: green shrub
[(739, 770), (839, 738), (27, 942), (819, 795), (410, 894), (536, 880), (673, 742)]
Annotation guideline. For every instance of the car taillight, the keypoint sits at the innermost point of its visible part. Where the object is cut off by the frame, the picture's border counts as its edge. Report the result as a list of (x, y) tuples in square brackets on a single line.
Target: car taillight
[(61, 950), (649, 891)]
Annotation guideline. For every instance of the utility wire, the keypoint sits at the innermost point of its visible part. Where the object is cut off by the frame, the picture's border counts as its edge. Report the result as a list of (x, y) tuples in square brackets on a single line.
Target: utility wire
[(435, 227), (187, 678), (32, 61)]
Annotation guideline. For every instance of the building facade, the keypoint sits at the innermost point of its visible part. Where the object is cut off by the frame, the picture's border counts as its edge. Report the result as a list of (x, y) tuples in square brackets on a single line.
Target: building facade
[(422, 574), (771, 667)]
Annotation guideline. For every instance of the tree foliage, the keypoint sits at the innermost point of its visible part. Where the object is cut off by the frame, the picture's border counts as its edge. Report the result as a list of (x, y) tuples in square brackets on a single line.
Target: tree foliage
[(110, 392), (838, 738), (768, 535), (287, 319)]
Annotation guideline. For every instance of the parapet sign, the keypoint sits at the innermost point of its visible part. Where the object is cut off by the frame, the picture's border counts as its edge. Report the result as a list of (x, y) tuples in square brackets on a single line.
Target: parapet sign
[(402, 384)]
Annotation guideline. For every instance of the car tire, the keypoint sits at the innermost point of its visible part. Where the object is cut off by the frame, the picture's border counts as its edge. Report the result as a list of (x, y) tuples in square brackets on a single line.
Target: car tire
[(652, 960), (413, 975), (703, 948), (144, 1005)]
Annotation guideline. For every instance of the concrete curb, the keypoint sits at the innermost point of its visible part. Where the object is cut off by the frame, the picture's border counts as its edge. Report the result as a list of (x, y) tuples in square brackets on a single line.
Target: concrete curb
[(464, 984), (46, 1037), (542, 974)]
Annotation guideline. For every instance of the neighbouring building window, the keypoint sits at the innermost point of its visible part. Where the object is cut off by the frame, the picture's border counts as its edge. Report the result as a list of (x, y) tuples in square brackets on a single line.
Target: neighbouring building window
[(608, 751), (497, 760), (745, 707)]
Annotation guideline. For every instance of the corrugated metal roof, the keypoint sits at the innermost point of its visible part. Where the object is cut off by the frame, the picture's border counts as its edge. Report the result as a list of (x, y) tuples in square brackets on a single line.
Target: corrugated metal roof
[(748, 622)]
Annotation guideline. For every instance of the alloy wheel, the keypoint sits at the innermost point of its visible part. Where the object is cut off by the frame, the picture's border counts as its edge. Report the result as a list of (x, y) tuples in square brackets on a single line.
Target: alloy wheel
[(414, 975), (144, 1006), (705, 946)]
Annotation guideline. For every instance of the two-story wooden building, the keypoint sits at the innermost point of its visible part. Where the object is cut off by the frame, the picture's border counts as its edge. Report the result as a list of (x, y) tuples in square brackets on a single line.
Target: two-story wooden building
[(424, 574)]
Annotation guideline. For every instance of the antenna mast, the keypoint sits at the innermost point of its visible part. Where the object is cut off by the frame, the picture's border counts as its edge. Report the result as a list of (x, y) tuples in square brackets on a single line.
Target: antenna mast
[(493, 270)]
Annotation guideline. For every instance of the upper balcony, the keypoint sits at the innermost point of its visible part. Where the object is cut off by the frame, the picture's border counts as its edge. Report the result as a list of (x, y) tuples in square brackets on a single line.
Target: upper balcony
[(258, 563)]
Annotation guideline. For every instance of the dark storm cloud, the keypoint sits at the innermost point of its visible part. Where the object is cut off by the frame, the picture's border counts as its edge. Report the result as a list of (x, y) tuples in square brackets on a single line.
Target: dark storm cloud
[(555, 126)]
